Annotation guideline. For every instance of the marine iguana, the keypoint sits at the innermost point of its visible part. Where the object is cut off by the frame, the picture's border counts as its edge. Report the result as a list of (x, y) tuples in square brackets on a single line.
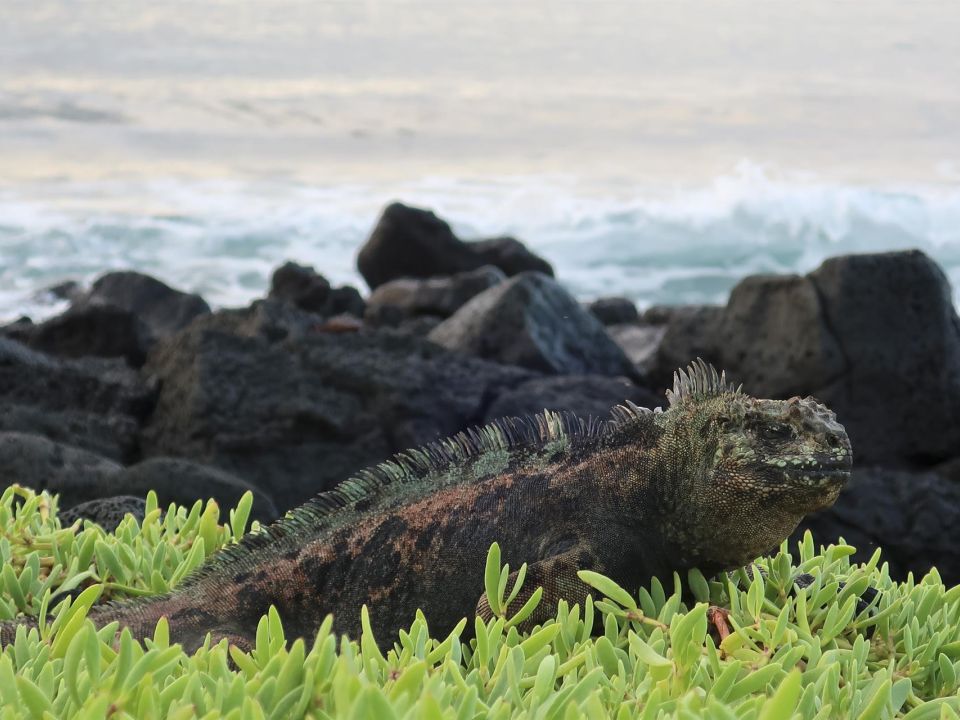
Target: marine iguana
[(712, 482)]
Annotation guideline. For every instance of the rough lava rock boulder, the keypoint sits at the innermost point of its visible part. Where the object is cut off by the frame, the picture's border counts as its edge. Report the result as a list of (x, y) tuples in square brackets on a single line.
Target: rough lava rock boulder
[(899, 393), (686, 333), (271, 320), (913, 517), (301, 285), (42, 464), (69, 290), (296, 416), (583, 395), (614, 310), (105, 512), (162, 309), (531, 321), (640, 343), (93, 331), (405, 298), (308, 290), (94, 404), (410, 242), (508, 254), (775, 340)]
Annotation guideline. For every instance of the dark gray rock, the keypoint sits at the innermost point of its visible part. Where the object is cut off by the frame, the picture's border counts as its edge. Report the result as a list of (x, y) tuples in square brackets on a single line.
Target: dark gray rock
[(91, 403), (93, 330), (297, 416), (614, 310), (949, 470), (19, 330), (531, 321), (899, 393), (69, 290), (689, 332), (80, 477), (410, 242), (105, 512), (161, 308), (305, 288), (510, 255), (640, 343), (272, 320), (397, 300), (775, 340), (913, 517), (583, 395), (42, 464), (347, 300), (421, 325), (181, 481), (112, 436), (301, 285)]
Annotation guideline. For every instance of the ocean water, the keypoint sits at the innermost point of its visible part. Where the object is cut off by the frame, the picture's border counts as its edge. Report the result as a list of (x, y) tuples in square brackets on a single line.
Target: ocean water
[(660, 151)]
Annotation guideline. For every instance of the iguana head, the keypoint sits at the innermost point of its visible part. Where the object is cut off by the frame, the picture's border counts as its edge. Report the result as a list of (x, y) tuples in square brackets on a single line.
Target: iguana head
[(751, 468)]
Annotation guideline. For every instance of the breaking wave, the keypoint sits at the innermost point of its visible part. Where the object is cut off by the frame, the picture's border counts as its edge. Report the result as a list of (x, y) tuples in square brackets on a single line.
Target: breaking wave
[(679, 245)]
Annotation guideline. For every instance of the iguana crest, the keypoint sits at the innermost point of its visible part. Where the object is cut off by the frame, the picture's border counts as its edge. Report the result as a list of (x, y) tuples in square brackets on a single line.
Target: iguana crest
[(699, 382)]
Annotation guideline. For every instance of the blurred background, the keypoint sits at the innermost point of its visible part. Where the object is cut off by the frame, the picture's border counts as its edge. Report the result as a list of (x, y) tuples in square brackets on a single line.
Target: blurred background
[(660, 151)]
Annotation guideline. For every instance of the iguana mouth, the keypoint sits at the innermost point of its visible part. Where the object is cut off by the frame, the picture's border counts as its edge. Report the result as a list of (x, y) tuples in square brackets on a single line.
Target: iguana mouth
[(825, 468), (828, 471), (825, 479), (822, 475)]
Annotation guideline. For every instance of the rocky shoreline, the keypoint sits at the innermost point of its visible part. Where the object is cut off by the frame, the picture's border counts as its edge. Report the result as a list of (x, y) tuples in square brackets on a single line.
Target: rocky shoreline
[(138, 385)]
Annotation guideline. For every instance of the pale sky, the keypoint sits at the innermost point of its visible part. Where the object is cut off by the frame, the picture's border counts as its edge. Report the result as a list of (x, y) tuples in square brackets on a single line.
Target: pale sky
[(862, 92)]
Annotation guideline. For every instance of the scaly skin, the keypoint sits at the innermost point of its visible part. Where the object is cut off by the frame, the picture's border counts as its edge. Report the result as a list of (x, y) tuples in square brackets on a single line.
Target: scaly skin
[(712, 482)]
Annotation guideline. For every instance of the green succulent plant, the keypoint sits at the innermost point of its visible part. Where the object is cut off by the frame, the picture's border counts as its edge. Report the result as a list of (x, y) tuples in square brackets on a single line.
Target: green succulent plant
[(656, 652)]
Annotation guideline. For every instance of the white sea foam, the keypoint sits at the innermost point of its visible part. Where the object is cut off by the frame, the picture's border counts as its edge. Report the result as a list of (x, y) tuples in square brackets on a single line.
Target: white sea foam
[(683, 245)]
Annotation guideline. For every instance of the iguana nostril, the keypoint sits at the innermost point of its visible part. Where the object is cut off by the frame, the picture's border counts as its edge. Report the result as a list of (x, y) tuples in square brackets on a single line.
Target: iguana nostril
[(833, 441)]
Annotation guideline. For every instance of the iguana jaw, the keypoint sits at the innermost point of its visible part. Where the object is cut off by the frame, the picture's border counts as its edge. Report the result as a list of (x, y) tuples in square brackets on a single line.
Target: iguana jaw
[(818, 487)]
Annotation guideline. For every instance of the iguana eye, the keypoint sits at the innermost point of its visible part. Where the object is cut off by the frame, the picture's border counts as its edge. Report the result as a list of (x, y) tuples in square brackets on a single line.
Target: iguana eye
[(776, 431)]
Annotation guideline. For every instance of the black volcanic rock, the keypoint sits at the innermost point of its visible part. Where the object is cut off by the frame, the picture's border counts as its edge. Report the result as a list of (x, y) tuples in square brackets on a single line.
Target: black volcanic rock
[(773, 336), (295, 416), (121, 316), (87, 330), (42, 464), (687, 332), (913, 517), (161, 308), (508, 254), (106, 512), (531, 321), (614, 310), (301, 285), (583, 395), (306, 289), (91, 403), (899, 394), (410, 242)]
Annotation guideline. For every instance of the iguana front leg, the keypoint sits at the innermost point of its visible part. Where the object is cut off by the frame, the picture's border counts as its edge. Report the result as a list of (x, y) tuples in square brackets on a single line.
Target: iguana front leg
[(557, 575)]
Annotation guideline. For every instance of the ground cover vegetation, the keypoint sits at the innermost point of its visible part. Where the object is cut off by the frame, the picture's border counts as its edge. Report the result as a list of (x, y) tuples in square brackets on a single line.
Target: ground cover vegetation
[(655, 652)]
